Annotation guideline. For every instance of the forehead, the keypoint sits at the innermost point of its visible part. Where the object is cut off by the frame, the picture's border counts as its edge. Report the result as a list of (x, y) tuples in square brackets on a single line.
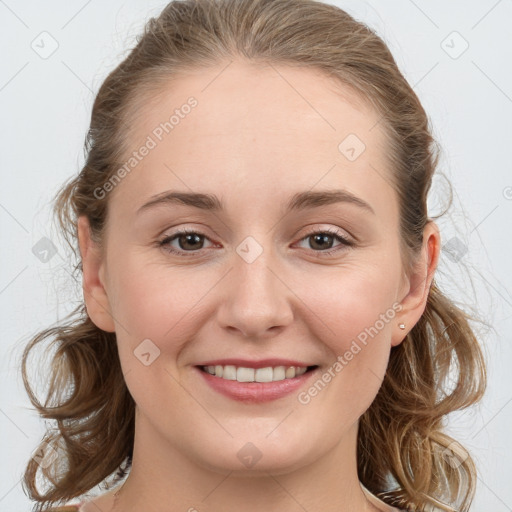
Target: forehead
[(255, 129)]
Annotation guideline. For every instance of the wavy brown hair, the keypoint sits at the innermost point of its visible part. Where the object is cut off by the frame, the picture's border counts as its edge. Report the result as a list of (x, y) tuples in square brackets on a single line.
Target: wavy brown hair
[(404, 456)]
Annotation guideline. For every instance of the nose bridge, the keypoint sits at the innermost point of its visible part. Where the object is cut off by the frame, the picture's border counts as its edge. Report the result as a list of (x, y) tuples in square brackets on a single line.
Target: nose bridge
[(256, 300)]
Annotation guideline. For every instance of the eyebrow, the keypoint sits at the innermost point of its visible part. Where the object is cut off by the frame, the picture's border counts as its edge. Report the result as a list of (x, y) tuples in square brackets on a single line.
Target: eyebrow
[(299, 201)]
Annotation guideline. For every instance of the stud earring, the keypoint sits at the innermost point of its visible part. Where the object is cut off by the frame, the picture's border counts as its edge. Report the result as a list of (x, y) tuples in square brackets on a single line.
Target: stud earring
[(402, 326)]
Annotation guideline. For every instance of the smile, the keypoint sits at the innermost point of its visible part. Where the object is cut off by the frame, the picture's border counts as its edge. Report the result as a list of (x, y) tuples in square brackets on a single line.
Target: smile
[(255, 382), (267, 374)]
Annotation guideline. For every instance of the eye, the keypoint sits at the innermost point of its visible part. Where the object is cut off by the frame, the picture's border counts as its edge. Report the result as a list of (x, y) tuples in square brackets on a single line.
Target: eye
[(321, 241), (187, 240)]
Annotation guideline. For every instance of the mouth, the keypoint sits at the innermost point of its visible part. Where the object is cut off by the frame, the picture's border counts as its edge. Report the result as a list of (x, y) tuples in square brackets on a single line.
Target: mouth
[(255, 385), (265, 374)]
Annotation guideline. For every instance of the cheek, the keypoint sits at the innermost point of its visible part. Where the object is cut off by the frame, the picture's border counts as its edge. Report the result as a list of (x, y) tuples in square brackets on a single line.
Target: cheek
[(354, 318), (157, 302), (162, 305), (355, 304)]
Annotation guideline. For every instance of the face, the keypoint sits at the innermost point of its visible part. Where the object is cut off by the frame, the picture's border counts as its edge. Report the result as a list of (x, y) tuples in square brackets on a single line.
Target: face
[(273, 276)]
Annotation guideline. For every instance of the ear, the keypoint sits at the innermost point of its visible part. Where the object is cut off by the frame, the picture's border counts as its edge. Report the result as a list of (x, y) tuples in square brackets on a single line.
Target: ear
[(95, 296), (417, 284)]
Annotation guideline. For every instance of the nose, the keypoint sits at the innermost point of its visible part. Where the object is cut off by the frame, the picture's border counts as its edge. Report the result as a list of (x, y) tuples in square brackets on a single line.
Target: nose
[(258, 302)]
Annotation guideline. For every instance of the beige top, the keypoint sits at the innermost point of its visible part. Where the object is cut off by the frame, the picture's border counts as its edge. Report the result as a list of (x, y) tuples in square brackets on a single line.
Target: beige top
[(377, 502), (371, 498)]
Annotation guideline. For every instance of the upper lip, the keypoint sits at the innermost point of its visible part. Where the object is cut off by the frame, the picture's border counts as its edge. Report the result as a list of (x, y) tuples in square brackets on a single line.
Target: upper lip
[(262, 363)]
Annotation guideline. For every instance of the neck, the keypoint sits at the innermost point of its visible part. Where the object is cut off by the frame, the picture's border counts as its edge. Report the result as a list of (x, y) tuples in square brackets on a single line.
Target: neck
[(164, 479)]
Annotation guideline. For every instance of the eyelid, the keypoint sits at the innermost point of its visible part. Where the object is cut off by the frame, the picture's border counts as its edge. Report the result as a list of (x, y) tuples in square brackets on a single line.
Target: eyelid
[(331, 230), (167, 238), (346, 243)]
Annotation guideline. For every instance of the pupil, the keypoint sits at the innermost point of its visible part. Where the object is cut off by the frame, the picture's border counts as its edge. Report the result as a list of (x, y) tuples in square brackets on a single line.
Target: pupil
[(187, 237), (323, 238)]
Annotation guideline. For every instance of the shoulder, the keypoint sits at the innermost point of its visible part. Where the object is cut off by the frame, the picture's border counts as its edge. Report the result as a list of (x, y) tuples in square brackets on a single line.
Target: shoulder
[(95, 504), (66, 508), (377, 502)]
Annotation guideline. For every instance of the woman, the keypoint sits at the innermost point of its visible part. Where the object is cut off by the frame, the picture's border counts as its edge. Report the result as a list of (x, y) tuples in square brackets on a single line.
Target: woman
[(261, 327)]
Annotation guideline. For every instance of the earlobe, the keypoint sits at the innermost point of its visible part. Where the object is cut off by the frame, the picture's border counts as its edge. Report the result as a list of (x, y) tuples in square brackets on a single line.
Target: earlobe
[(420, 280), (95, 295)]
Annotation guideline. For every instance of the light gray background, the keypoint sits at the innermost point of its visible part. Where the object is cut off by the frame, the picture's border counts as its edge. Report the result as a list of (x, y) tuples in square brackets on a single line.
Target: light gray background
[(46, 103)]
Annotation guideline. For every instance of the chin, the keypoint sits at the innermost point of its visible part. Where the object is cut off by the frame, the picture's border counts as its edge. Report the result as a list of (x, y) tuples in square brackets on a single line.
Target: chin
[(256, 455)]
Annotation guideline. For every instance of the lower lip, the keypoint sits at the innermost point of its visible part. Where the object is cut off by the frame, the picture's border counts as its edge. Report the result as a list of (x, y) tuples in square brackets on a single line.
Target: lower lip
[(256, 392)]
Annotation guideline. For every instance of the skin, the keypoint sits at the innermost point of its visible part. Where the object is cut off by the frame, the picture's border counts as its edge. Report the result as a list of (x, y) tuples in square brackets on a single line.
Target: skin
[(258, 135)]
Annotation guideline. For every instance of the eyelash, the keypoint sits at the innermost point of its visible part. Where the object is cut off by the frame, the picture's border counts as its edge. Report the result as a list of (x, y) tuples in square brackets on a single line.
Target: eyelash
[(345, 242)]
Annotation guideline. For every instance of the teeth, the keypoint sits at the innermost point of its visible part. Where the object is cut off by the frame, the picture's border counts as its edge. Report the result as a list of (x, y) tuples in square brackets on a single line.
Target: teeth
[(279, 373), (245, 374), (229, 373), (290, 372), (264, 375), (242, 374)]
